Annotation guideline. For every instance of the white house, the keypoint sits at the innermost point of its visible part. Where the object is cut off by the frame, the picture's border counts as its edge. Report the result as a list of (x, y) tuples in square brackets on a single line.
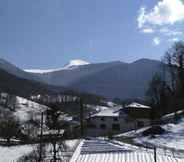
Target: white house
[(118, 119)]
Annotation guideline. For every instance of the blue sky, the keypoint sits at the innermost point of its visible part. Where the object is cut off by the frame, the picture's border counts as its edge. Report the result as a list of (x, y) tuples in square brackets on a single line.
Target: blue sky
[(48, 33)]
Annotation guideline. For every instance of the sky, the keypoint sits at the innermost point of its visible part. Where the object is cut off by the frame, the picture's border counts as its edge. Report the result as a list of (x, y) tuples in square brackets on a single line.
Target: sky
[(45, 34)]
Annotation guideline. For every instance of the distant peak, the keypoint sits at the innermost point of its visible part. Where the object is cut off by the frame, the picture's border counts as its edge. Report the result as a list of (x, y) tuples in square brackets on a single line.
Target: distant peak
[(72, 64), (145, 60), (76, 62)]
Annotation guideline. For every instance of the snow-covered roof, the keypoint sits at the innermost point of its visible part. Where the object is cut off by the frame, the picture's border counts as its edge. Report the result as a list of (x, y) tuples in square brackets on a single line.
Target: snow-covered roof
[(54, 132), (137, 105), (110, 112), (106, 151)]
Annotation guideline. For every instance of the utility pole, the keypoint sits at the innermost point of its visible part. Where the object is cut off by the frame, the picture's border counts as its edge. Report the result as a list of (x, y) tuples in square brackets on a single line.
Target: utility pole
[(41, 136), (155, 154), (54, 151), (81, 118)]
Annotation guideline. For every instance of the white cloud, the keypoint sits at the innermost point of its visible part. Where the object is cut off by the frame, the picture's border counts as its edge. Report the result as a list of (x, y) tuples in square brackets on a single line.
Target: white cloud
[(169, 32), (164, 12), (156, 41), (141, 17), (173, 39), (147, 30), (165, 19)]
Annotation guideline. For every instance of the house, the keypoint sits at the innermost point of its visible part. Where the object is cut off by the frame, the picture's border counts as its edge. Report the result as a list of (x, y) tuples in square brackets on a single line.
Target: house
[(117, 119), (97, 150), (141, 114)]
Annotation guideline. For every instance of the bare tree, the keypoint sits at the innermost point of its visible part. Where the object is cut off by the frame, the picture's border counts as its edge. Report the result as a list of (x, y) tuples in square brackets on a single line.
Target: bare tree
[(174, 59)]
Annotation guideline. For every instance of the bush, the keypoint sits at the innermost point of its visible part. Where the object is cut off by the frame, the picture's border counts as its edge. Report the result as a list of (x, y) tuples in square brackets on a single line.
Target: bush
[(154, 130), (9, 128)]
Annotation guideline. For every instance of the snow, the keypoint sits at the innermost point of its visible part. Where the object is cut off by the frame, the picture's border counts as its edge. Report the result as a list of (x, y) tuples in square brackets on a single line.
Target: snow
[(26, 108), (107, 112), (71, 144), (97, 108), (76, 62), (11, 154), (111, 104), (137, 105), (111, 112), (172, 139), (71, 65), (108, 151), (171, 115), (41, 71)]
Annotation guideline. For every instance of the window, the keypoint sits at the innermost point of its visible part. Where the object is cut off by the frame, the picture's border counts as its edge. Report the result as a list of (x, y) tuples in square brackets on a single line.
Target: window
[(140, 124), (115, 119), (102, 119), (103, 126), (90, 125), (116, 127)]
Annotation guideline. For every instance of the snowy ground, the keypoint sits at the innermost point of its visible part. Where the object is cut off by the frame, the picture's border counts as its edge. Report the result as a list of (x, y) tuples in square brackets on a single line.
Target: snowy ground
[(26, 109), (172, 139), (11, 154)]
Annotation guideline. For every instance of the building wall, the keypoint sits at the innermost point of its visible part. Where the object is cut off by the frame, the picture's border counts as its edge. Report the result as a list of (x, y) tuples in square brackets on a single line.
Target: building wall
[(106, 125)]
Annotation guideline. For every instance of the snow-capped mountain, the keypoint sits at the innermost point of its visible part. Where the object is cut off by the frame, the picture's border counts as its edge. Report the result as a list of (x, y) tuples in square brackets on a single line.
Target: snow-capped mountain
[(112, 79), (71, 65)]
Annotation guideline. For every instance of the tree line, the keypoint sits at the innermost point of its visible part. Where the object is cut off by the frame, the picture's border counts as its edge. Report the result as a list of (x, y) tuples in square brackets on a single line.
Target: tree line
[(166, 89)]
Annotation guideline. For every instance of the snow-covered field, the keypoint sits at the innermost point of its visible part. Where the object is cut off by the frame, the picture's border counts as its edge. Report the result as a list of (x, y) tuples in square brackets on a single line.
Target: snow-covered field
[(11, 154), (26, 109), (172, 139)]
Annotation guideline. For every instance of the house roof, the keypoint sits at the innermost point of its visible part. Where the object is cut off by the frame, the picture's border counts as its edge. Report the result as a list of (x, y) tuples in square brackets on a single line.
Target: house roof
[(106, 151), (110, 112), (137, 105)]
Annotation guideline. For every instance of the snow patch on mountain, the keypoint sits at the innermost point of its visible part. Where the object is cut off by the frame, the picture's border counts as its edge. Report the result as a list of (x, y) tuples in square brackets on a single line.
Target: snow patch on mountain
[(76, 62), (71, 65)]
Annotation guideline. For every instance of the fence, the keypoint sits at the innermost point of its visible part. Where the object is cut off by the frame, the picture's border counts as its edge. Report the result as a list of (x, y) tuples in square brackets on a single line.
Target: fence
[(163, 150)]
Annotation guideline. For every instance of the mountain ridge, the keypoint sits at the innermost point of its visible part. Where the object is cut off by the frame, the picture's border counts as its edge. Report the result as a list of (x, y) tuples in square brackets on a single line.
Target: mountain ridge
[(114, 79)]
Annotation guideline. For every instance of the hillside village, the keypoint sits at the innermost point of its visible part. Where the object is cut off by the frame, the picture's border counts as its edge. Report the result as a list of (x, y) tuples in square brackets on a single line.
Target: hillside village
[(55, 124), (92, 81), (105, 120)]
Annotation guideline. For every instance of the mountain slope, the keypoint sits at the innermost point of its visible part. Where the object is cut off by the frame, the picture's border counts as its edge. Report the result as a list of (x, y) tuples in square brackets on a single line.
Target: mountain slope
[(14, 85), (120, 81), (112, 80), (67, 77), (12, 69), (25, 88)]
